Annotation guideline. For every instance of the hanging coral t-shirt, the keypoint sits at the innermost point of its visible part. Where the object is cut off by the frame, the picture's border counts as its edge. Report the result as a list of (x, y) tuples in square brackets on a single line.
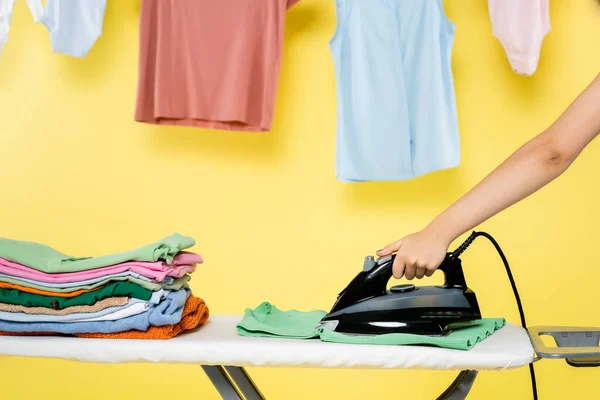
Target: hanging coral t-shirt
[(210, 63)]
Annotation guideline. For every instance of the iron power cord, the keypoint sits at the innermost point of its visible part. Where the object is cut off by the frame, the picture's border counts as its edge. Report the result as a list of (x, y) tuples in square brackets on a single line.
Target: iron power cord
[(462, 248)]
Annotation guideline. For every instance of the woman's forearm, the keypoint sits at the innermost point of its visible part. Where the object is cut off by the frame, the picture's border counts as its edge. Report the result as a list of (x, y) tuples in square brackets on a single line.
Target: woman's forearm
[(531, 167), (527, 170)]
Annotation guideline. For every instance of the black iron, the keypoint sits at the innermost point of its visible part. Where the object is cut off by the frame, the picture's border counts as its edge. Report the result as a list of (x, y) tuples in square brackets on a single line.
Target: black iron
[(365, 306)]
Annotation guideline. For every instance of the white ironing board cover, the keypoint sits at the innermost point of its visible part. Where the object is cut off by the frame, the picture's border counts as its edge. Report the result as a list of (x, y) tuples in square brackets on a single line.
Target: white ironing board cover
[(218, 343)]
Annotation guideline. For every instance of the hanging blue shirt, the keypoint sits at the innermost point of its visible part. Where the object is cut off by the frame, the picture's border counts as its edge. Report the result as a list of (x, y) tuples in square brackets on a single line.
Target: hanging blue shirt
[(397, 114), (74, 25)]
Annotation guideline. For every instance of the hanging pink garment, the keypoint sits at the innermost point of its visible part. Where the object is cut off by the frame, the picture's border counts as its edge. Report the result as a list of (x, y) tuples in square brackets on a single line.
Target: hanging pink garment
[(520, 25)]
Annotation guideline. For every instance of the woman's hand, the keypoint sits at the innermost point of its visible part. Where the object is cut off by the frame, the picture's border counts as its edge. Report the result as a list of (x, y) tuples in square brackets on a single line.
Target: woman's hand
[(417, 255)]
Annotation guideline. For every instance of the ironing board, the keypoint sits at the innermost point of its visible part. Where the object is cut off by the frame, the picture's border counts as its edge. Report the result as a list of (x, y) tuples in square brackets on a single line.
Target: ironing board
[(223, 354)]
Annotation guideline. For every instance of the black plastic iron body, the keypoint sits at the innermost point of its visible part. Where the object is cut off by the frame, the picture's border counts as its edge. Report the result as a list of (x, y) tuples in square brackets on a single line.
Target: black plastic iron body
[(365, 306)]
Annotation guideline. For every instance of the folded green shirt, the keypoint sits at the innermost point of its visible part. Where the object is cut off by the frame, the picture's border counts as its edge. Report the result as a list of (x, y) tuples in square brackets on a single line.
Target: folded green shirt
[(266, 320), (125, 289), (461, 337), (46, 259)]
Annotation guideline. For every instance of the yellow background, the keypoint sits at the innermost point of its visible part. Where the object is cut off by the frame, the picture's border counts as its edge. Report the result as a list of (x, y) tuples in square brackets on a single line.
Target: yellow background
[(269, 217)]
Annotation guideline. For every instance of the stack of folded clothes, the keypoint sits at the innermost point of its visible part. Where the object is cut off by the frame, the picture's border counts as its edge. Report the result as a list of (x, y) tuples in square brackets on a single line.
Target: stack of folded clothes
[(137, 294)]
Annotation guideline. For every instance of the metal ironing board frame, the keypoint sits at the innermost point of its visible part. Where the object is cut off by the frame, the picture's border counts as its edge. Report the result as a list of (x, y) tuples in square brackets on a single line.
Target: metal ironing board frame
[(578, 346)]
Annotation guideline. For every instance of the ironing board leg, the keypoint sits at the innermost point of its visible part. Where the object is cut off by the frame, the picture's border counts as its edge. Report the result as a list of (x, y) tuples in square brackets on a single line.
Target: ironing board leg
[(459, 389), (228, 379), (222, 382), (243, 381)]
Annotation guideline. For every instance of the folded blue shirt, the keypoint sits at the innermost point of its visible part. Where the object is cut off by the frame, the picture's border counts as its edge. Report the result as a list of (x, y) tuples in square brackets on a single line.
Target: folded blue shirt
[(167, 312)]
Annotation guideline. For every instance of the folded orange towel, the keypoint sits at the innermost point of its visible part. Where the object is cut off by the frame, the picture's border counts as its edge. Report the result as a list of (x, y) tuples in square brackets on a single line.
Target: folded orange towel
[(6, 285), (195, 313)]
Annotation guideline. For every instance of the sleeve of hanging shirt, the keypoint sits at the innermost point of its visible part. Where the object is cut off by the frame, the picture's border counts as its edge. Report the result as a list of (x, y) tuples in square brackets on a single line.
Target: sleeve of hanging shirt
[(291, 3)]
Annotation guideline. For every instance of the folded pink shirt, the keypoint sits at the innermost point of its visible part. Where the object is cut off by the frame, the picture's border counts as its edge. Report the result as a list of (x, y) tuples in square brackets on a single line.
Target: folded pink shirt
[(184, 263)]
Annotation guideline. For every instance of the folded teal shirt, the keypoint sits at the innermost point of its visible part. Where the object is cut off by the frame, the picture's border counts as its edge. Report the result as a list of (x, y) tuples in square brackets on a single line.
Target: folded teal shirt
[(46, 259), (266, 320)]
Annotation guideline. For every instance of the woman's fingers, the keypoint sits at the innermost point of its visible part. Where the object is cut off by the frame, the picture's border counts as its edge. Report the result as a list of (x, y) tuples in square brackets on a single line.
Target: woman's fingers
[(390, 248), (420, 273), (410, 268), (398, 268), (409, 272)]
